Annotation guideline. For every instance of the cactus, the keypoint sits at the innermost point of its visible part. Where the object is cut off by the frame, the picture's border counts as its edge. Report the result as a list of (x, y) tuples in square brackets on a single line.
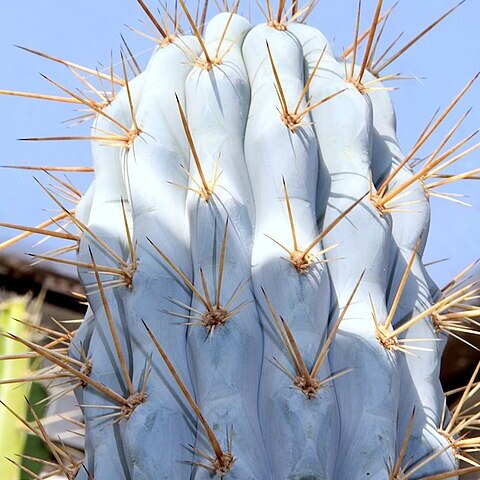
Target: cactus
[(19, 316), (12, 440), (251, 251)]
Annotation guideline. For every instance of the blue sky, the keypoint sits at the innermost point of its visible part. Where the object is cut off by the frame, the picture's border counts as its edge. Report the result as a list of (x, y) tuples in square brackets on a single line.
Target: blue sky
[(86, 31)]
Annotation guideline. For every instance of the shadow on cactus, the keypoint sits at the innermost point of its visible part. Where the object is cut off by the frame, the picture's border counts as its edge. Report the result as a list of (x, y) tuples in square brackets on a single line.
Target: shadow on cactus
[(251, 252)]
